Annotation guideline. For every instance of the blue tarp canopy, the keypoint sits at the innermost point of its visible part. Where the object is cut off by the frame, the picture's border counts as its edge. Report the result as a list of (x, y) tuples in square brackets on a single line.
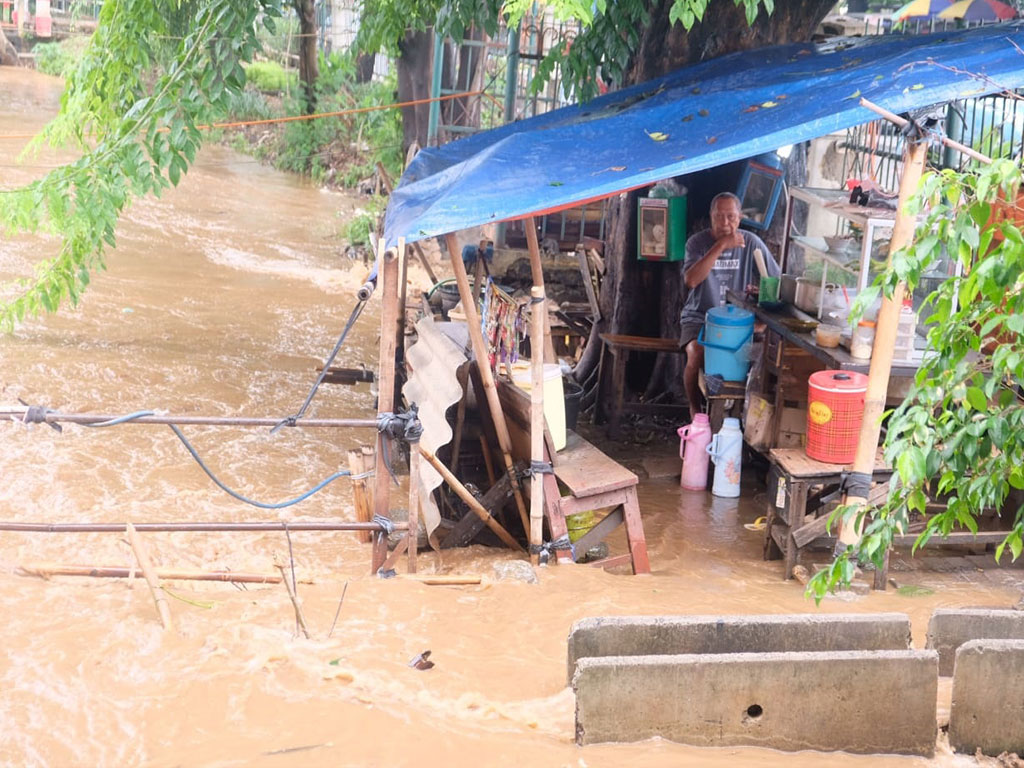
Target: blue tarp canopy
[(712, 113)]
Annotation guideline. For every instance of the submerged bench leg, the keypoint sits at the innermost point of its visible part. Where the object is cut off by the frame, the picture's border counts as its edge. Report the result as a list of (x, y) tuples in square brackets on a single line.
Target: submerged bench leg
[(556, 519), (635, 532)]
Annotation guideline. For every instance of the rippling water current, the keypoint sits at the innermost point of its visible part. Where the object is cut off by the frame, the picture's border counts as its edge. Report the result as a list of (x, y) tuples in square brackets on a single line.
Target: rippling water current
[(220, 299)]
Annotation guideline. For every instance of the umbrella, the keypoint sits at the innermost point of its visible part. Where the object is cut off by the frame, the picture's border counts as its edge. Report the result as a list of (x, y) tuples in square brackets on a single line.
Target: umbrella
[(917, 10), (979, 10)]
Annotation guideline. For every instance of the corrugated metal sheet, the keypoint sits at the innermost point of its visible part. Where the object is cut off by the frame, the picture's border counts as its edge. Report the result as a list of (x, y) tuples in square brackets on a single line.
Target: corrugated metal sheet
[(433, 386)]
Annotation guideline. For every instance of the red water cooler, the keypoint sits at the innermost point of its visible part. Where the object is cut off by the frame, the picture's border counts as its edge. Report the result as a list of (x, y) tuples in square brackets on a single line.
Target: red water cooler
[(835, 409)]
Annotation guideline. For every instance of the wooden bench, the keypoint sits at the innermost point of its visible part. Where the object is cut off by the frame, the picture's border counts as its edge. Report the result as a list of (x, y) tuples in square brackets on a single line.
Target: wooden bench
[(621, 347), (727, 401), (593, 479)]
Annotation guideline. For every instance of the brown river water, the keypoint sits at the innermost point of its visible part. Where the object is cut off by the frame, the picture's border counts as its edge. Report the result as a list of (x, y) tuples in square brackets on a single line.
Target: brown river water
[(220, 299)]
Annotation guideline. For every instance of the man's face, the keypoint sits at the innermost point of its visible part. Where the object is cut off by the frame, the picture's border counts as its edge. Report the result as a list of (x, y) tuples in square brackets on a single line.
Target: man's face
[(725, 218)]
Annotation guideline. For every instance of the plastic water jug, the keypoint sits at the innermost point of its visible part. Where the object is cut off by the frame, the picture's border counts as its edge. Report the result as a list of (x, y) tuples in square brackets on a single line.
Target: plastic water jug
[(726, 338), (726, 451), (693, 444)]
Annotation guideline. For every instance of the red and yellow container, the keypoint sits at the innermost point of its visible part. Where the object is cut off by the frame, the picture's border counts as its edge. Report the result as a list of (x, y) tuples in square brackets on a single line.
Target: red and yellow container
[(835, 409)]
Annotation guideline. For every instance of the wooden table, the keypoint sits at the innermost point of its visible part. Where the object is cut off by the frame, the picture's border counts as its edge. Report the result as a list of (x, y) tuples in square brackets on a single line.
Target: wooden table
[(620, 347), (795, 518)]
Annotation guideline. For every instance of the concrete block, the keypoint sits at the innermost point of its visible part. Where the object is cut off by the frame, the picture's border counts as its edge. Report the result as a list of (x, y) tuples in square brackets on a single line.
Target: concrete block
[(653, 635), (857, 701), (988, 697), (951, 628)]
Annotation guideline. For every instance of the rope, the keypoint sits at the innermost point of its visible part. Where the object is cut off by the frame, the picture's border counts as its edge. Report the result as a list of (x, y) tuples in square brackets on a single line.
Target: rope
[(545, 551), (385, 523), (290, 420), (293, 118), (36, 414), (398, 426)]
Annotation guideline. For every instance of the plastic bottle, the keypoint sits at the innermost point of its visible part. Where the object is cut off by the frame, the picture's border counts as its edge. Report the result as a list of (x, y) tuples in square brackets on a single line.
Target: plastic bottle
[(726, 451), (863, 340), (693, 443)]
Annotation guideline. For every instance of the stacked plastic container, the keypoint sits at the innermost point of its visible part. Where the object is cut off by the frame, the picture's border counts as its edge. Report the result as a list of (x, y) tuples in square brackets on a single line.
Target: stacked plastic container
[(906, 332)]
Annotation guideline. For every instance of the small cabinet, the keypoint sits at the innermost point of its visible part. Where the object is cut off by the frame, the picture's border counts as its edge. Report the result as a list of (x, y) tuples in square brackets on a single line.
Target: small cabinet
[(661, 228)]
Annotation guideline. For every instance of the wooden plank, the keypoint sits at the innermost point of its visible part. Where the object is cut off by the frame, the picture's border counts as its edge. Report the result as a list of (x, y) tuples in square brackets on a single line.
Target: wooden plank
[(641, 343), (571, 505), (586, 471), (396, 553), (611, 562), (796, 463), (414, 504), (805, 534), (588, 284)]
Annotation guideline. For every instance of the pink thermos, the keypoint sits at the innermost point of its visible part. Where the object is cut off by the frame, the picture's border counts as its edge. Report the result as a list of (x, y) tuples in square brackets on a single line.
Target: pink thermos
[(694, 439)]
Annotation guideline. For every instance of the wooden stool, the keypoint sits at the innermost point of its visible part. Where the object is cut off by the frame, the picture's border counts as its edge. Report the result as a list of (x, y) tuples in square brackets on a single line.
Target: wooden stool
[(718, 403)]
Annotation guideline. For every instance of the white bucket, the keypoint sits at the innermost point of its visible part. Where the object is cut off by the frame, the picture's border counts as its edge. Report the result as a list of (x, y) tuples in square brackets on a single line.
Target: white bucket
[(554, 397)]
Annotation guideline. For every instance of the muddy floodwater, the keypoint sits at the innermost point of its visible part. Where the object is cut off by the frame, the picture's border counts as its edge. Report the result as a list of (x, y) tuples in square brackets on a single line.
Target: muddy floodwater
[(221, 298)]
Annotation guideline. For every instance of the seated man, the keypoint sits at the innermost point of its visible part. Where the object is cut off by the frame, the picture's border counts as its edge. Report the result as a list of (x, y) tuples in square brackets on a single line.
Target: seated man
[(717, 260)]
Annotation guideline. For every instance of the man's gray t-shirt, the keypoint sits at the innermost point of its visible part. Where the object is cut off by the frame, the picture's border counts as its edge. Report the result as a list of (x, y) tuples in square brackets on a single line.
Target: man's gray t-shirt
[(734, 270)]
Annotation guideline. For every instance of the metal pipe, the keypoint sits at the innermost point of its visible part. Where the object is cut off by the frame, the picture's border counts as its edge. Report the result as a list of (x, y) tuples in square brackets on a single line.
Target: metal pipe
[(219, 421), (216, 527)]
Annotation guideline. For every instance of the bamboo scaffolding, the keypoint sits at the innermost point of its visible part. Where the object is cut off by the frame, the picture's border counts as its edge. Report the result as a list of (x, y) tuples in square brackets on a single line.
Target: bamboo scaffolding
[(903, 123), (48, 570), (139, 548), (538, 310), (490, 390), (537, 272), (470, 500), (293, 596)]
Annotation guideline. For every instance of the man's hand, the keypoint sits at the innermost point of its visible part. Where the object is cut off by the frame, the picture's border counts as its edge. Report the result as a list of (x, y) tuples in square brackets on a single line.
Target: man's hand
[(735, 240)]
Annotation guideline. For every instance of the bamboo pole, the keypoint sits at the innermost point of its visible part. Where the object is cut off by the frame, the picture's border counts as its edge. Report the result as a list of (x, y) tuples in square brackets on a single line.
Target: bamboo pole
[(538, 309), (903, 123), (446, 579), (882, 353), (139, 548), (530, 225), (195, 527), (414, 503), (389, 187), (470, 500), (385, 388), (17, 413), (403, 294), (48, 570), (490, 390)]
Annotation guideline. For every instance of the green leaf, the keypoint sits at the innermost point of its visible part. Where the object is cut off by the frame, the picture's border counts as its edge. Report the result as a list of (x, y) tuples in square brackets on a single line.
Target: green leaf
[(977, 399)]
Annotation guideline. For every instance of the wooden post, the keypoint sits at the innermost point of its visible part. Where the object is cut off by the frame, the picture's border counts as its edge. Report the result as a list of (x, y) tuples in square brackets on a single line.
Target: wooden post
[(359, 498), (538, 309), (470, 500), (530, 225), (414, 502), (403, 292), (478, 277), (491, 391), (885, 338), (139, 548), (388, 276)]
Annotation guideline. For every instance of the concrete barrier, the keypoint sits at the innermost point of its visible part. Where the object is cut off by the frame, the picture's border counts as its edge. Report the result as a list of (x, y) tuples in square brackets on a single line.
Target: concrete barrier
[(951, 628), (856, 701), (655, 635), (988, 697)]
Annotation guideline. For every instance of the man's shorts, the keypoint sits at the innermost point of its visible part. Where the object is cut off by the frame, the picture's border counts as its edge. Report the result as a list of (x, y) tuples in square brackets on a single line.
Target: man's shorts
[(688, 332)]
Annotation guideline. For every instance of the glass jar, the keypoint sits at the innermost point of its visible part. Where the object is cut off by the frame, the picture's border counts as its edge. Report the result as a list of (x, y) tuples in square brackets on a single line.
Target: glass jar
[(862, 340)]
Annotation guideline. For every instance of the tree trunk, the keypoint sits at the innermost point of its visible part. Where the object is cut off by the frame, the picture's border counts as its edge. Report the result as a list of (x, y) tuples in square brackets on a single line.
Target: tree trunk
[(416, 54), (308, 66), (630, 286)]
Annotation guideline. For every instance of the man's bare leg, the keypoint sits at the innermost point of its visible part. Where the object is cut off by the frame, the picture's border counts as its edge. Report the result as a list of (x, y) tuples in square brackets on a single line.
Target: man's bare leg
[(694, 362)]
